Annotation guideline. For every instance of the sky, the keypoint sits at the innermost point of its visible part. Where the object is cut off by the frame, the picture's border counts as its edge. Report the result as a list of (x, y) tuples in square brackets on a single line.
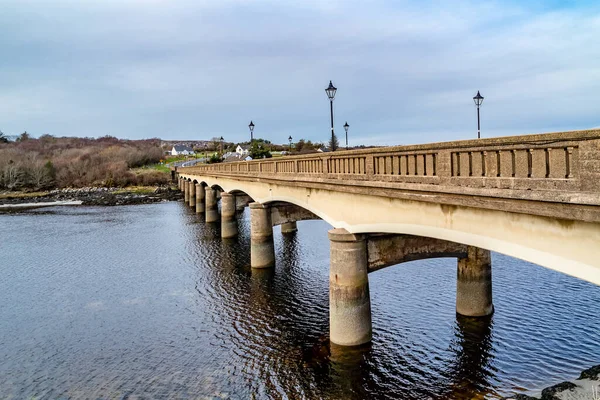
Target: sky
[(406, 71)]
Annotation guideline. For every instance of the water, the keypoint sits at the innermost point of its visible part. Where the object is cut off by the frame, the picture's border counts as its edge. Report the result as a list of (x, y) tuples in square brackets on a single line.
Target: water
[(147, 302)]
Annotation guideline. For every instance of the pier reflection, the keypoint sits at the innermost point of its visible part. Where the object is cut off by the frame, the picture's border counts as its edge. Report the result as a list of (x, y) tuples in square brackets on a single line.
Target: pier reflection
[(471, 374)]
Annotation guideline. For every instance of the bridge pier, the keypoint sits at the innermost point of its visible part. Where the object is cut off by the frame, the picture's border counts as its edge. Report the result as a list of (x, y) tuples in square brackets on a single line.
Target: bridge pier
[(289, 227), (474, 283), (179, 183), (186, 192), (199, 198), (211, 209), (192, 200), (349, 300), (262, 250), (229, 227)]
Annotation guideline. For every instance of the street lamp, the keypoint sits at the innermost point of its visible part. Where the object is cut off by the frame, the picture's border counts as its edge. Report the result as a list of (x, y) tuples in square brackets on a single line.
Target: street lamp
[(346, 126), (251, 126), (331, 94), (221, 146), (290, 139), (478, 99)]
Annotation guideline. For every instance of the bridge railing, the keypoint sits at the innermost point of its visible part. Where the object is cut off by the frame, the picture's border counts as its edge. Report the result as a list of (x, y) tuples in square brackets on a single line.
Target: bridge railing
[(563, 161)]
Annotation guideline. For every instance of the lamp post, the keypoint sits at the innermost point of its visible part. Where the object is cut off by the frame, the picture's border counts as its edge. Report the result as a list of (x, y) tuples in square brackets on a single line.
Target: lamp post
[(478, 99), (331, 94), (290, 140), (251, 126), (221, 146), (346, 126)]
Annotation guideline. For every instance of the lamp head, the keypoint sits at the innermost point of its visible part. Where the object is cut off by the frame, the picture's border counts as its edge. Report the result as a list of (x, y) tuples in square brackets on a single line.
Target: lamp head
[(478, 99), (331, 91)]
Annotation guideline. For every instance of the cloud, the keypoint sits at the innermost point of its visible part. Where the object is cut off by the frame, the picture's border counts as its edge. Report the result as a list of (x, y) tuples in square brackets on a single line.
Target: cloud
[(406, 71)]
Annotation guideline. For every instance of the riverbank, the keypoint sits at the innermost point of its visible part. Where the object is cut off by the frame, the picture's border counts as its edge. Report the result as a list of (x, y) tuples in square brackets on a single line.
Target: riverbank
[(89, 196), (586, 387)]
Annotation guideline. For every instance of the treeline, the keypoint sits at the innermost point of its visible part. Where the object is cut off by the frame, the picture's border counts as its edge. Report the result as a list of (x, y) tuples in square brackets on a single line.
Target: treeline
[(58, 162)]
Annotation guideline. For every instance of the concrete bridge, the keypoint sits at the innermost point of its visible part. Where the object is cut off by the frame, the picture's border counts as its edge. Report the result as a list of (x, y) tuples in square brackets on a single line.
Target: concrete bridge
[(534, 197)]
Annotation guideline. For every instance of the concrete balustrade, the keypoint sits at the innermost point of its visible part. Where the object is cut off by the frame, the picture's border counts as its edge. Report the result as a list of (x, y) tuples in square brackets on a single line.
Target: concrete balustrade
[(229, 227), (200, 193), (211, 208), (192, 195), (349, 301), (262, 253)]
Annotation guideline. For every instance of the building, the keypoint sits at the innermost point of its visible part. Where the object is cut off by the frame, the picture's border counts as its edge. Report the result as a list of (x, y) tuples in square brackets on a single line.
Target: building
[(182, 150), (232, 157), (242, 150)]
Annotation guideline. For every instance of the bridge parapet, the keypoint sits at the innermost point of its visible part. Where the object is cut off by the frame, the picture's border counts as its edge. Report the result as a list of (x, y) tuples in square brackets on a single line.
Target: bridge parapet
[(561, 167)]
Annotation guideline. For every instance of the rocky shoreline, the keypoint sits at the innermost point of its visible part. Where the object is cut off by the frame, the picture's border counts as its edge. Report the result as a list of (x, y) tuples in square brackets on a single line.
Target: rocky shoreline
[(95, 196), (586, 387)]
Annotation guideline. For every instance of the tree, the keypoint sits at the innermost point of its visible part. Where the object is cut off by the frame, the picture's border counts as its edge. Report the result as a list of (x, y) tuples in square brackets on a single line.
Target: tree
[(3, 138), (334, 144), (12, 176), (42, 174), (259, 151), (23, 137), (215, 158), (299, 145)]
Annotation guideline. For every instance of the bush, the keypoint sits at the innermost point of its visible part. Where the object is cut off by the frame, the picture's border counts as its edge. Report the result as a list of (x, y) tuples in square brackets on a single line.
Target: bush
[(76, 162)]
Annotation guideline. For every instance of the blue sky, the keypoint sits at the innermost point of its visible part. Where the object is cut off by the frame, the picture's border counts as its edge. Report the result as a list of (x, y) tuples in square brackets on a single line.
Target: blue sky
[(406, 71)]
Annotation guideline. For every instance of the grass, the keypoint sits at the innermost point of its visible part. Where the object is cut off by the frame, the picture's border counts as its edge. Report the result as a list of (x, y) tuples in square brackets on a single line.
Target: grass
[(22, 195), (136, 190), (157, 167)]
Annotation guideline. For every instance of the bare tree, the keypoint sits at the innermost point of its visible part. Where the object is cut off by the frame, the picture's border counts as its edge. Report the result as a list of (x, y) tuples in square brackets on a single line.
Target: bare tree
[(13, 176)]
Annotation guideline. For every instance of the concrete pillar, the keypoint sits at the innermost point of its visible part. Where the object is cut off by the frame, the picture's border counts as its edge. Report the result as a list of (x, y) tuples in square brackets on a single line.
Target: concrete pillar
[(211, 210), (262, 249), (229, 227), (199, 198), (289, 227), (186, 192), (349, 300), (474, 283), (192, 201)]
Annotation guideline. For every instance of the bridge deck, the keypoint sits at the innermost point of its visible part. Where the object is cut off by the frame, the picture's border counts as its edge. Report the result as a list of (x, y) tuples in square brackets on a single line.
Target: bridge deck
[(555, 175)]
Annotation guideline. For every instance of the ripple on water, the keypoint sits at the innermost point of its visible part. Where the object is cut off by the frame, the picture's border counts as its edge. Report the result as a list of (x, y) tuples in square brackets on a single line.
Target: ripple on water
[(149, 302)]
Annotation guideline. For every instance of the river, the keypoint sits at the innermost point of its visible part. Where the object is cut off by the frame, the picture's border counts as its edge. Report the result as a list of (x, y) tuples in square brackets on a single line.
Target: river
[(147, 302)]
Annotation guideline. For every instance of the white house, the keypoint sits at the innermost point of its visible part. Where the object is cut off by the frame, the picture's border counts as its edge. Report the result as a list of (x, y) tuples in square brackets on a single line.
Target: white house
[(242, 150), (232, 157), (180, 149)]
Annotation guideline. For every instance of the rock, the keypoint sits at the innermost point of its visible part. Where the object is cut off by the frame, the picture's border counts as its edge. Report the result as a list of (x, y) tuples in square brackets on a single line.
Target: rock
[(519, 397), (590, 373), (551, 392)]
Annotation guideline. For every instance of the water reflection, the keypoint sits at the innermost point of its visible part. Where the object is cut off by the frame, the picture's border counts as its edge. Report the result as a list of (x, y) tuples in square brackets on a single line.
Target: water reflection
[(470, 374), (184, 316)]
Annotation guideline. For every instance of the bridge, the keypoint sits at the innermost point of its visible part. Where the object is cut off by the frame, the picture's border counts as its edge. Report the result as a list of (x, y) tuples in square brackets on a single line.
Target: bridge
[(533, 197)]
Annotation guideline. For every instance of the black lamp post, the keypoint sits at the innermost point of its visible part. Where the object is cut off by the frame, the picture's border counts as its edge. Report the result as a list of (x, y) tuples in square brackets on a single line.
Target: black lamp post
[(221, 146), (346, 126), (331, 94), (290, 139), (251, 126), (478, 99)]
